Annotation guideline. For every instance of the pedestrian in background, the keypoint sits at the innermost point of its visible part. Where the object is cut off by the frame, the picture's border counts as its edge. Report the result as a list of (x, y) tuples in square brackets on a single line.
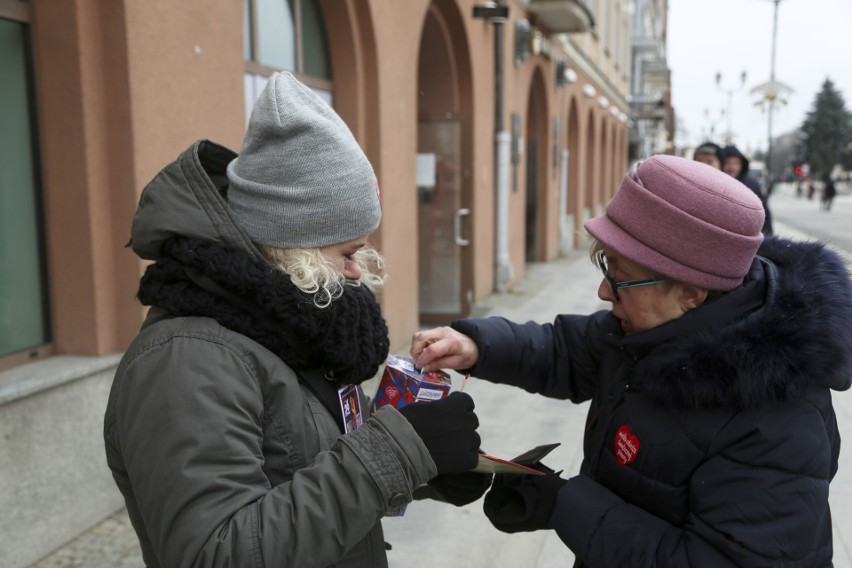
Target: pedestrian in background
[(230, 428), (829, 191), (709, 153), (735, 164), (711, 438)]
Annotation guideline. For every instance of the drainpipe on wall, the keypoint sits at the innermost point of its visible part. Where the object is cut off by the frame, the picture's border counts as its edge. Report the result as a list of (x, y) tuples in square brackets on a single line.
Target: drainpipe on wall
[(496, 13), (505, 271)]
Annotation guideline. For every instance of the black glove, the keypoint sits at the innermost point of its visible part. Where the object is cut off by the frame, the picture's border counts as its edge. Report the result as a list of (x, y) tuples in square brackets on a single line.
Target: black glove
[(448, 428), (461, 488), (522, 503)]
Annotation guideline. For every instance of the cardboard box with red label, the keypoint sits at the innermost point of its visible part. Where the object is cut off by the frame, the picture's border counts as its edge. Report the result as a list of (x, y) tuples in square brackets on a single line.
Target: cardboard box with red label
[(402, 384)]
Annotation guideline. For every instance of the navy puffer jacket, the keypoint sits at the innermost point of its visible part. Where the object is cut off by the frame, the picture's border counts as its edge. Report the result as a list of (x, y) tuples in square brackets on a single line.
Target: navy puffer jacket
[(711, 439)]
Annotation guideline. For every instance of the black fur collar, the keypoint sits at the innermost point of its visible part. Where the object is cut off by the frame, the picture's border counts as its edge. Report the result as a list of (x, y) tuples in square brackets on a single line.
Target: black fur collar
[(347, 341), (799, 337)]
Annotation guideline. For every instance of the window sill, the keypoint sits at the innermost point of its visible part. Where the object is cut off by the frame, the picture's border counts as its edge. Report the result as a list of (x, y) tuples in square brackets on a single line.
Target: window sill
[(39, 376)]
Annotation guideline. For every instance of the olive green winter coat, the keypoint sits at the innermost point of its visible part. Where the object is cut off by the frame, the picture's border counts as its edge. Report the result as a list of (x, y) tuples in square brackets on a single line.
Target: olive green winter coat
[(223, 456)]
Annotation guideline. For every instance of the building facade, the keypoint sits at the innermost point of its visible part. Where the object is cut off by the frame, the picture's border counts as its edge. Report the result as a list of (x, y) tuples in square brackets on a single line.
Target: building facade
[(495, 130), (651, 113)]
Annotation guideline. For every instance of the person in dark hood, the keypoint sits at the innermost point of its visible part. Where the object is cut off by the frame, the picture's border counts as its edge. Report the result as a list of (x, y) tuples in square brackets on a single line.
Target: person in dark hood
[(226, 427), (711, 438), (735, 164), (829, 191), (709, 153)]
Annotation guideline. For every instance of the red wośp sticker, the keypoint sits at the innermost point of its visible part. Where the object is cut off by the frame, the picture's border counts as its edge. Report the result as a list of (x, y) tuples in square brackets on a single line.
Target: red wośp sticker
[(626, 445)]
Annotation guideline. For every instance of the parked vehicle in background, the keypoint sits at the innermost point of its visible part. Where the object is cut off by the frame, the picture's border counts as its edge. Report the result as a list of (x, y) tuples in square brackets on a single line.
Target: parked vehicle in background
[(757, 170)]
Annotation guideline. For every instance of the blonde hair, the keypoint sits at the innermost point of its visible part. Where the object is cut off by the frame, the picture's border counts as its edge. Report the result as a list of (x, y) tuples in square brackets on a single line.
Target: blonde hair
[(314, 274)]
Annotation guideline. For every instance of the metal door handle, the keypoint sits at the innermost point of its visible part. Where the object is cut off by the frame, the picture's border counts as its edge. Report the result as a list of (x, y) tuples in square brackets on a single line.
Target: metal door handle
[(457, 224)]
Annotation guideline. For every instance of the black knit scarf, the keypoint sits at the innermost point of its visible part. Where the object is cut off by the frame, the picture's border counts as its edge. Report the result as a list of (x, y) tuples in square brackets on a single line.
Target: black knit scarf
[(347, 340)]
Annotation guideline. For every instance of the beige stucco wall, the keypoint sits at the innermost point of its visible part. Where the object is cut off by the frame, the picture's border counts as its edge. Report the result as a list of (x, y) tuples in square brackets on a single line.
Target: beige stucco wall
[(125, 87), (397, 28)]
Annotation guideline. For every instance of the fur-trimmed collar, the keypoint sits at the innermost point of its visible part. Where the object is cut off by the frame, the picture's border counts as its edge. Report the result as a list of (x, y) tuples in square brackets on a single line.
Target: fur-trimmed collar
[(347, 341), (799, 336)]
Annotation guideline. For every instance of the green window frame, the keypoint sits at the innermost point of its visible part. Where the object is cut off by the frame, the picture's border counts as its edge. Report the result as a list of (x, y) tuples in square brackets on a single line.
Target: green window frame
[(24, 306)]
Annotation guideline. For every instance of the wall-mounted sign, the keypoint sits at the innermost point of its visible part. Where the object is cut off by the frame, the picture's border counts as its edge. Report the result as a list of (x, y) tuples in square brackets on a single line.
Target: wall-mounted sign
[(426, 168)]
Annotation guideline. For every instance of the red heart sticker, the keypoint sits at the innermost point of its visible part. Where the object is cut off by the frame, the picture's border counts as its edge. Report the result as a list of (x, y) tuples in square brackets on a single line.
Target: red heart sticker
[(626, 445), (392, 393)]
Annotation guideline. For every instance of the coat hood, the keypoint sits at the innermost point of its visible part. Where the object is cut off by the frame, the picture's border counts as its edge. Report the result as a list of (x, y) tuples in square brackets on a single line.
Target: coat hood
[(188, 198), (732, 151), (788, 328), (708, 148)]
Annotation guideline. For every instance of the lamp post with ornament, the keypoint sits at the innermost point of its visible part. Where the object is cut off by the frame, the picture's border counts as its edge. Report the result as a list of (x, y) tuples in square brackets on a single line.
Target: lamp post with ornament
[(771, 92), (729, 135)]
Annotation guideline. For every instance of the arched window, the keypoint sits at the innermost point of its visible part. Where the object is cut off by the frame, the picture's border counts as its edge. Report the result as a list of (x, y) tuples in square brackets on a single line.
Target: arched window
[(285, 35)]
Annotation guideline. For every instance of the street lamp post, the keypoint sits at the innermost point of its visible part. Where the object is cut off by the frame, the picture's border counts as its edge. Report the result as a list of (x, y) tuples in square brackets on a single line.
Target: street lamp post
[(771, 105), (710, 122), (729, 135), (773, 91), (709, 133)]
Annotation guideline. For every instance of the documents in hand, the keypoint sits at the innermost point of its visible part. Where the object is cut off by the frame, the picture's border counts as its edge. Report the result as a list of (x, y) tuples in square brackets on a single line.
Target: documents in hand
[(402, 384), (523, 464)]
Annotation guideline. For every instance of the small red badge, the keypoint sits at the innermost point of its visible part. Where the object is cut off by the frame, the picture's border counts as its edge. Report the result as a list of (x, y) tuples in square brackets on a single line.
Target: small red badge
[(626, 445)]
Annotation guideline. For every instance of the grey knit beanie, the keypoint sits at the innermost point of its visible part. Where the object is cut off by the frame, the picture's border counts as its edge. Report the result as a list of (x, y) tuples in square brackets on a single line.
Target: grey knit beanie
[(301, 180)]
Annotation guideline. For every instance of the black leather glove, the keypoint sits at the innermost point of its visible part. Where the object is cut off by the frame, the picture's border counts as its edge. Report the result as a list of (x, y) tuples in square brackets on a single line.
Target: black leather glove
[(522, 503), (448, 428), (460, 488)]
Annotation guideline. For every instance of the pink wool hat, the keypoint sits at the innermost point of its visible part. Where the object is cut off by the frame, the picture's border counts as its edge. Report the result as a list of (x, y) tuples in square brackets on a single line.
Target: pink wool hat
[(684, 220)]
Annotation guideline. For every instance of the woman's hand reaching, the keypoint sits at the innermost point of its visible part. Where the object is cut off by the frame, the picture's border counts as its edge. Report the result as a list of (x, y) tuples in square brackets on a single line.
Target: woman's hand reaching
[(443, 348)]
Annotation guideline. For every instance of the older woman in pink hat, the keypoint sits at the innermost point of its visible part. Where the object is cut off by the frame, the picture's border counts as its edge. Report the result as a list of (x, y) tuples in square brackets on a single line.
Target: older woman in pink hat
[(711, 439)]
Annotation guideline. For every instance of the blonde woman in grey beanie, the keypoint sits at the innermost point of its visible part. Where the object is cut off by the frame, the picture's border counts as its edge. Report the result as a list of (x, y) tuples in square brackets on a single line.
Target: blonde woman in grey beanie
[(235, 427)]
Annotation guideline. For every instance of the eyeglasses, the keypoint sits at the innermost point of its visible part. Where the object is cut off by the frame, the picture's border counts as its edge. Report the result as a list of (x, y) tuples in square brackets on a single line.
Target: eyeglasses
[(614, 285)]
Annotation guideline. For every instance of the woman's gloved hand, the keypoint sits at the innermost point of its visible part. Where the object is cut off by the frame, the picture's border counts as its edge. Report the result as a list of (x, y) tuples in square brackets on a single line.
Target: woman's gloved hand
[(522, 503), (461, 488), (448, 429)]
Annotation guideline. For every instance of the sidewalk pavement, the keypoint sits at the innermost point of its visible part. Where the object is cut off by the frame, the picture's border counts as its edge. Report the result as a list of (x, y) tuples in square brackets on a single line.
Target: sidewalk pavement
[(512, 421)]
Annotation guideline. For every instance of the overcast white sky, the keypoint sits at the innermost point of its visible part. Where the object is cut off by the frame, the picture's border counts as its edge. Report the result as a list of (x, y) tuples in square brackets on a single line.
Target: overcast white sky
[(814, 41)]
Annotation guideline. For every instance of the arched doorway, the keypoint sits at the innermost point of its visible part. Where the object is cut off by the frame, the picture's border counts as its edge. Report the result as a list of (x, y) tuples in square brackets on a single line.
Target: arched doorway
[(573, 174), (591, 187), (618, 165), (605, 160), (615, 178), (536, 170), (443, 167)]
